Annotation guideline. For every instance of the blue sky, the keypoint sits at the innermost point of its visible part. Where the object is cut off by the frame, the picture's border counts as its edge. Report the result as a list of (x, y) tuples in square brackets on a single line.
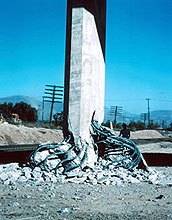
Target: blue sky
[(138, 50)]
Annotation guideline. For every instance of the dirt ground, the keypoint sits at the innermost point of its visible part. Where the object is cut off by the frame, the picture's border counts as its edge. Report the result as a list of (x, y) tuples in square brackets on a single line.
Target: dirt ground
[(68, 201), (84, 201), (20, 134)]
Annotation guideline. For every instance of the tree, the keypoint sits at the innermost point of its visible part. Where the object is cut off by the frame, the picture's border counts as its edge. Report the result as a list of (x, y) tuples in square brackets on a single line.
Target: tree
[(119, 126), (152, 125), (58, 117), (6, 109), (133, 126), (170, 127), (25, 112), (140, 125)]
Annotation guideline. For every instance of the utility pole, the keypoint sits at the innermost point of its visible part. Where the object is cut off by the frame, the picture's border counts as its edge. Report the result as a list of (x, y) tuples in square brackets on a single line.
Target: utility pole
[(112, 112), (53, 97), (43, 109), (117, 111), (164, 124), (148, 99), (52, 104), (143, 117)]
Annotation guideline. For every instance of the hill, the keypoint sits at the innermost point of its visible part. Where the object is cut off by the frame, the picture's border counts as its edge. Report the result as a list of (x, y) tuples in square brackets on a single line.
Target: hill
[(126, 117), (158, 116), (162, 116), (19, 98)]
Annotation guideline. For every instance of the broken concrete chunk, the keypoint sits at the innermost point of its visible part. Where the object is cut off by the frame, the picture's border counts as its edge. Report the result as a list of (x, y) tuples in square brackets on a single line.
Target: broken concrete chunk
[(61, 179), (36, 169), (22, 179), (51, 164), (13, 175), (3, 176), (74, 180), (1, 168), (11, 167), (37, 173), (152, 178), (103, 179), (133, 180), (40, 156), (64, 210), (27, 172)]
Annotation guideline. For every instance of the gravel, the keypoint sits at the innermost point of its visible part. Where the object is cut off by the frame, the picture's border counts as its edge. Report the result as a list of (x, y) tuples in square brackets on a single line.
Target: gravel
[(86, 201)]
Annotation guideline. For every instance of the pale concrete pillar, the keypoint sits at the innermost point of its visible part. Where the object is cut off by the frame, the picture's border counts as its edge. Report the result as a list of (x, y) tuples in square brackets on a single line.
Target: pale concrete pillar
[(85, 66)]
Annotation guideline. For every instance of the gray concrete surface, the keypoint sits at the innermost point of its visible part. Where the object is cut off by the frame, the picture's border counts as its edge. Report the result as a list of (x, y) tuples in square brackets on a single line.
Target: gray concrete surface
[(87, 75), (85, 66)]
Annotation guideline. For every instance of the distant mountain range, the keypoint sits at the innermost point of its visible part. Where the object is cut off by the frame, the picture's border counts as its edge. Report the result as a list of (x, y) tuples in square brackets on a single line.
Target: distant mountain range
[(34, 103), (162, 115), (18, 98), (157, 116)]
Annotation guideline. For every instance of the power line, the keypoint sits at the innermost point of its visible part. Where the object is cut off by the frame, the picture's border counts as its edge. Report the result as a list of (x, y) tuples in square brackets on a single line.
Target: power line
[(160, 100)]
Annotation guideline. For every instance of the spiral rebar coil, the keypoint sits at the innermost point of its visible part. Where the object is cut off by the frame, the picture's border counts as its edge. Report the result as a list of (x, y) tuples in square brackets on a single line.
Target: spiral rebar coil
[(69, 159), (124, 151)]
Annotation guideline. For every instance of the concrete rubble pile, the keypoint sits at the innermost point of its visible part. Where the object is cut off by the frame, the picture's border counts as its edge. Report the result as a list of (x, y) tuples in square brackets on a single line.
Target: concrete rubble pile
[(67, 162), (12, 173)]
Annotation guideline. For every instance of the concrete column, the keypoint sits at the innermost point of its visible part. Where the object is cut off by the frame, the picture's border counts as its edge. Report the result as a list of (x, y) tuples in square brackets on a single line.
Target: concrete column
[(85, 66)]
